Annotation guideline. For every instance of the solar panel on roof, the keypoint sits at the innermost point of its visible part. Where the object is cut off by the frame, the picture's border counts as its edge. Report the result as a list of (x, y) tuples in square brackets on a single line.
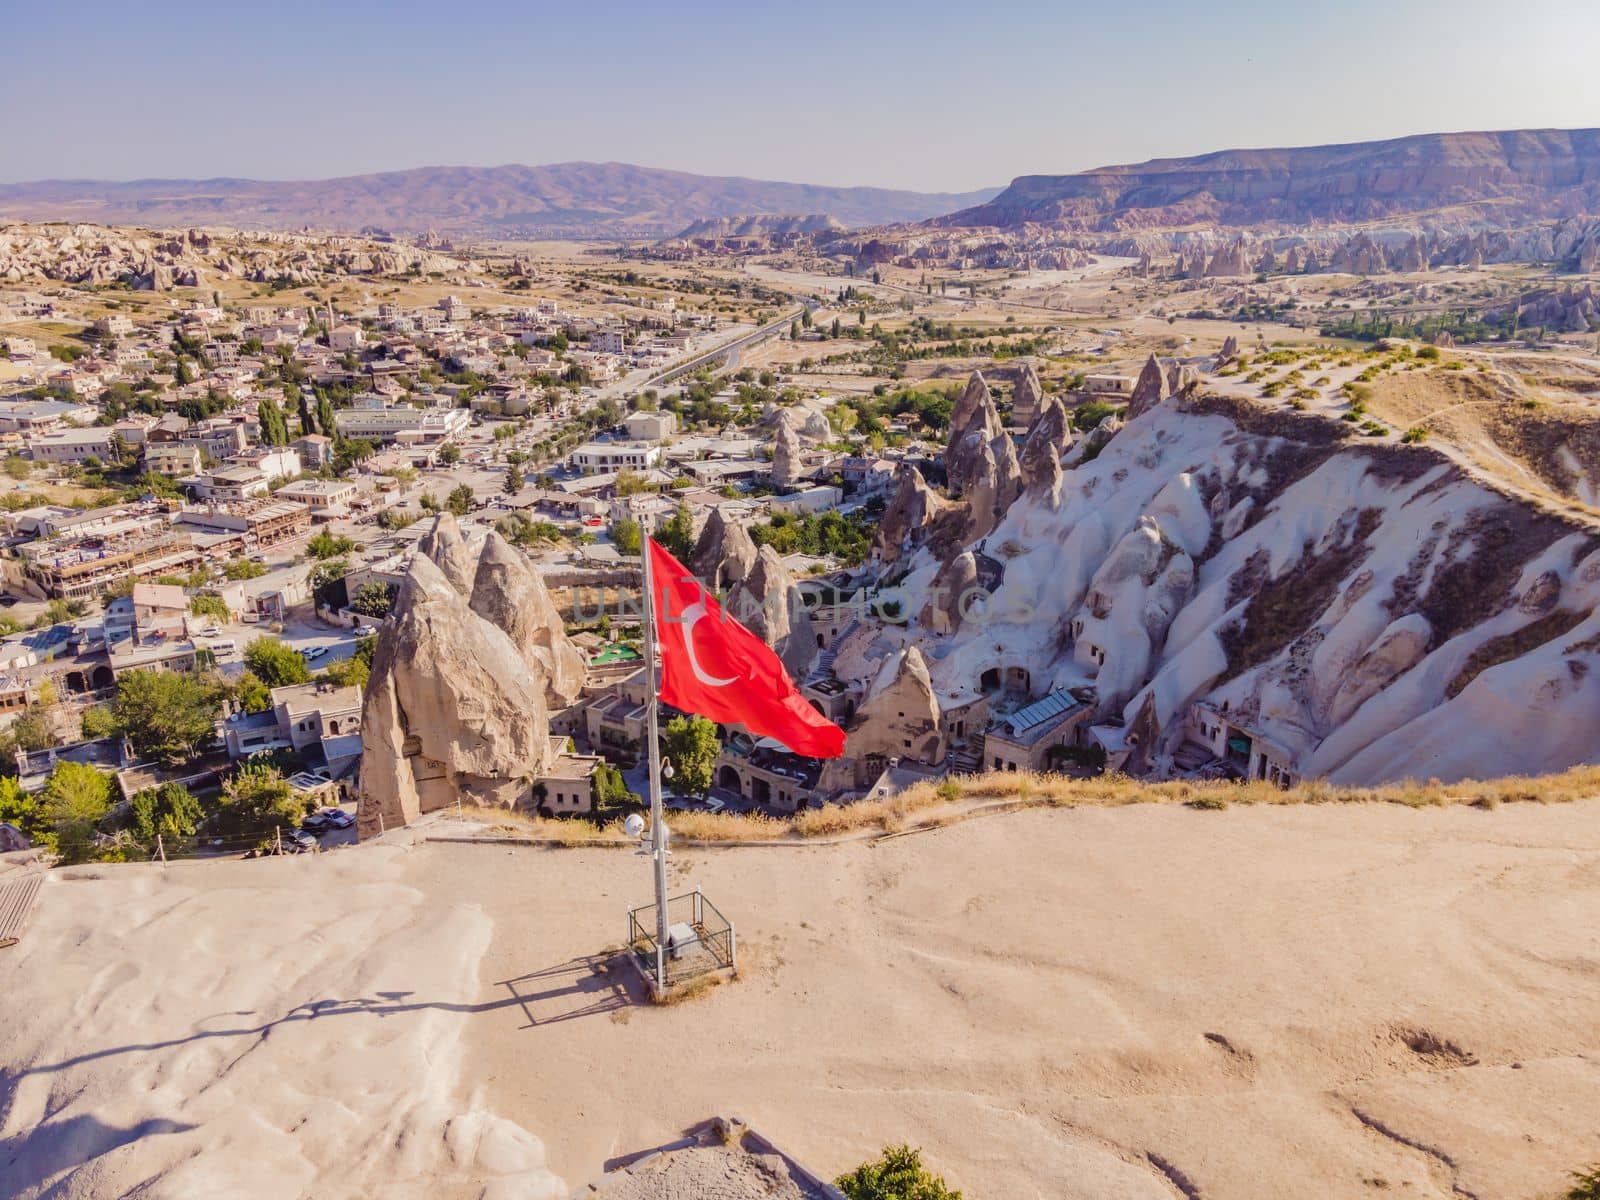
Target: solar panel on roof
[(1042, 710)]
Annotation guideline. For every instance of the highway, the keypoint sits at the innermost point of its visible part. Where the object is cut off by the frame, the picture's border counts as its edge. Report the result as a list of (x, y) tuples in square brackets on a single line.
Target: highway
[(731, 350)]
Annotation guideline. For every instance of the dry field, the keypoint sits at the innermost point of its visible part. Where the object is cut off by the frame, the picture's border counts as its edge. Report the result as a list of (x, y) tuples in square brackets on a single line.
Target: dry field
[(1149, 1000)]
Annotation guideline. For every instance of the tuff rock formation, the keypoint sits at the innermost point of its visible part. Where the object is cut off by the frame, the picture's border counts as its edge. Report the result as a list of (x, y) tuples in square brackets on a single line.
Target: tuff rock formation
[(898, 719), (1150, 389), (1026, 397), (786, 455), (758, 590), (724, 553), (447, 549), (974, 396), (993, 483), (1049, 437), (510, 594), (964, 457), (451, 710), (913, 510), (954, 593)]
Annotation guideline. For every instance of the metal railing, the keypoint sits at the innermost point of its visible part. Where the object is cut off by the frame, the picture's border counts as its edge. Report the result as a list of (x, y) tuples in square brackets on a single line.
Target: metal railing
[(699, 938)]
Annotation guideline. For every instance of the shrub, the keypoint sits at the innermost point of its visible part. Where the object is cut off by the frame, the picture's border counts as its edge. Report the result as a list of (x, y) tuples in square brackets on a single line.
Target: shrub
[(897, 1175)]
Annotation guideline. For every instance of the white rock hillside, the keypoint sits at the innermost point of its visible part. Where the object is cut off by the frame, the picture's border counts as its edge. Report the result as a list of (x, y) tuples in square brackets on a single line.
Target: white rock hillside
[(1371, 613)]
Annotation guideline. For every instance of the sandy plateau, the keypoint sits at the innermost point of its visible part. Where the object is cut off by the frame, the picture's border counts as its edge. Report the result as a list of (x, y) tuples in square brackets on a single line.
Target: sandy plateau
[(1351, 1000)]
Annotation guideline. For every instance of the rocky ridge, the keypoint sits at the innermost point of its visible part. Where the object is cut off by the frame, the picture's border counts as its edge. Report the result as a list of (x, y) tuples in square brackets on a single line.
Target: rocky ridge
[(465, 675), (1357, 609)]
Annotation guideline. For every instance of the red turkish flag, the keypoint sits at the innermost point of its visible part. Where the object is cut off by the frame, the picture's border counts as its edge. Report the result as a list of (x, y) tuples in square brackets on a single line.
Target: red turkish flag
[(714, 666)]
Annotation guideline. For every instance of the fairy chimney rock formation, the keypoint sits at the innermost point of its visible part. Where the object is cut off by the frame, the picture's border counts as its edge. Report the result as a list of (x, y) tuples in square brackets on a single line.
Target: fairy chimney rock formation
[(913, 508), (1048, 439), (1026, 397), (1149, 391), (510, 594), (973, 397), (786, 455), (444, 546), (451, 711), (724, 553)]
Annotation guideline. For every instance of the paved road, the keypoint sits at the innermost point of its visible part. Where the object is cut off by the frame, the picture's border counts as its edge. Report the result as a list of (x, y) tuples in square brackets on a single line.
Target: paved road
[(732, 349)]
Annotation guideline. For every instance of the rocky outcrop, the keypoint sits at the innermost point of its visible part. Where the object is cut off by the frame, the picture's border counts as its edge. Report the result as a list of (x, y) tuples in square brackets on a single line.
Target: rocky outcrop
[(723, 554), (1026, 397), (1049, 438), (973, 397), (964, 458), (451, 710), (1229, 351), (767, 603), (787, 455), (510, 594), (954, 591), (1514, 174), (1150, 389), (993, 483), (900, 706), (447, 549), (914, 509), (1232, 259)]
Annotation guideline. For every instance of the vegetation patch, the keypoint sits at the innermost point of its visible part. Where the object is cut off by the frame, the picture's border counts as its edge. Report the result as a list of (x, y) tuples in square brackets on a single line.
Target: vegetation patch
[(1282, 609), (1508, 646)]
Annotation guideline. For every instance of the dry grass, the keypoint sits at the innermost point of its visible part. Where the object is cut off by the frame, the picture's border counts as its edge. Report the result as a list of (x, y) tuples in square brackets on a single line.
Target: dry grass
[(695, 988), (934, 805)]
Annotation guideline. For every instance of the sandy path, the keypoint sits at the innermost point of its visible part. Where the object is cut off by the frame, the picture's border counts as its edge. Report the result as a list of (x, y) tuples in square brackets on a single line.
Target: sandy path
[(1058, 1003), (1099, 1003)]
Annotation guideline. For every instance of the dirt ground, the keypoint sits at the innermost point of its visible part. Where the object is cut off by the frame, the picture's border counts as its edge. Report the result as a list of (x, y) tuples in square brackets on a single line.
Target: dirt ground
[(1138, 1002)]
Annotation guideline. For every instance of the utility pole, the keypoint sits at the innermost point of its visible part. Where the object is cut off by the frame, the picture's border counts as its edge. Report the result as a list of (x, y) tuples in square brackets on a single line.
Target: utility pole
[(658, 828), (277, 839), (161, 851)]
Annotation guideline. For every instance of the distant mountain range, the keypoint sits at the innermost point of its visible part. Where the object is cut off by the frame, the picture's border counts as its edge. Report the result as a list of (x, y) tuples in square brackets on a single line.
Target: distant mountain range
[(1502, 177), (560, 200)]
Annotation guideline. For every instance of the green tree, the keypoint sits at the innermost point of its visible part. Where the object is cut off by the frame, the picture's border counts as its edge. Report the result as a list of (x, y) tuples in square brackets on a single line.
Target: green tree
[(258, 799), (253, 695), (274, 428), (237, 569), (610, 792), (209, 604), (169, 810), (373, 599), (18, 807), (325, 545), (165, 714), (692, 745), (76, 798), (677, 535), (325, 420), (459, 501), (276, 663), (898, 1175), (450, 453), (625, 536), (98, 721), (513, 483)]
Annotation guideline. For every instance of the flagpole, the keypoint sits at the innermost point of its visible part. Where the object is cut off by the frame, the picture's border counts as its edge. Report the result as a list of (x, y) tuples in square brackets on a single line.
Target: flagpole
[(657, 822)]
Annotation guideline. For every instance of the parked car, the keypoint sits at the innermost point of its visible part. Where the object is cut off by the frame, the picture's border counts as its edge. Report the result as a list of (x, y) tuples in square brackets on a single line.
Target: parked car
[(299, 842), (316, 823), (338, 818), (315, 653)]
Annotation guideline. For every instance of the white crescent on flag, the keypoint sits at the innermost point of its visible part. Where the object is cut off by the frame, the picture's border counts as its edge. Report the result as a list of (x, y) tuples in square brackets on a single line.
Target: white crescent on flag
[(691, 616)]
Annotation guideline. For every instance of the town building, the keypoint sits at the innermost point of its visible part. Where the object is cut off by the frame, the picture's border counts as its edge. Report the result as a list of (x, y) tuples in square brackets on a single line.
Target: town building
[(595, 458), (650, 426), (1024, 739)]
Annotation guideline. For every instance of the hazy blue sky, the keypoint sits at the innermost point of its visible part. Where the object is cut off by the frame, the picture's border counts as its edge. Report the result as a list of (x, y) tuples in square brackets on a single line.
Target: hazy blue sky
[(936, 94)]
